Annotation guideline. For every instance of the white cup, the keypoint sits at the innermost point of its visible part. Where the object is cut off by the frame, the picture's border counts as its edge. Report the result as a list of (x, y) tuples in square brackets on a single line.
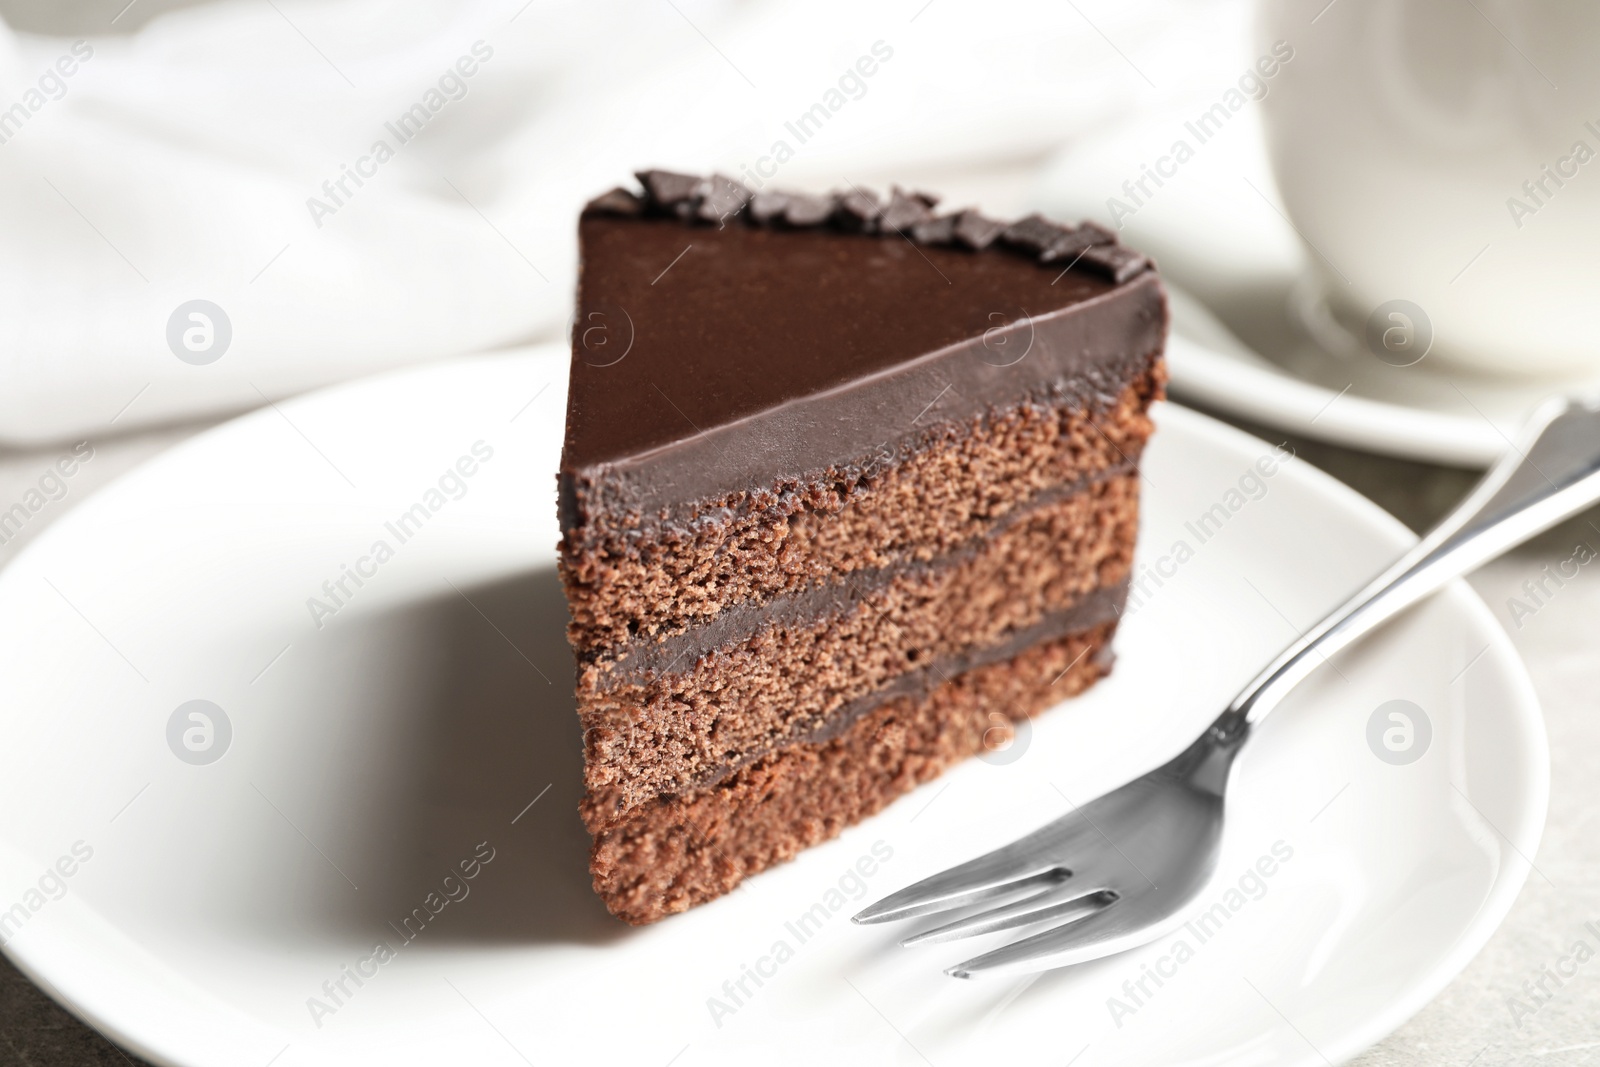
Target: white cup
[(1441, 158)]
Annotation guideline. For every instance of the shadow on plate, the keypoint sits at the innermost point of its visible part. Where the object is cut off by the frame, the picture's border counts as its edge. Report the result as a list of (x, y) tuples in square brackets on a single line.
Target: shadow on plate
[(475, 750)]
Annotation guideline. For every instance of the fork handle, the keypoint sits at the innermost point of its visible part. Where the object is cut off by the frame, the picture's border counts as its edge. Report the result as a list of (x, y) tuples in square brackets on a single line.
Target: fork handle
[(1550, 474)]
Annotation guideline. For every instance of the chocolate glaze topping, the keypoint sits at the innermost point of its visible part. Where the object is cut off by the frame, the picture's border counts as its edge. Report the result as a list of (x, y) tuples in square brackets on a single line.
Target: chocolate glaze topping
[(729, 343)]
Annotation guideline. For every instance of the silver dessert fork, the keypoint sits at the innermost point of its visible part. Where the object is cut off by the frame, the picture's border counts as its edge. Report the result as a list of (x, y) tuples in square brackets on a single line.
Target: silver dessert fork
[(1120, 871)]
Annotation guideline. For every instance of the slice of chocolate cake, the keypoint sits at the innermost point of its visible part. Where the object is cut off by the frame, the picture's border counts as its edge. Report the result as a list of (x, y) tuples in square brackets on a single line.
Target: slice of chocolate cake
[(848, 487)]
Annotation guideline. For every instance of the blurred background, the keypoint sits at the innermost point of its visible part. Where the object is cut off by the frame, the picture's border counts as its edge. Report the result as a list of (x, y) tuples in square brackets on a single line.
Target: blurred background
[(1379, 202), (1378, 219), (229, 152)]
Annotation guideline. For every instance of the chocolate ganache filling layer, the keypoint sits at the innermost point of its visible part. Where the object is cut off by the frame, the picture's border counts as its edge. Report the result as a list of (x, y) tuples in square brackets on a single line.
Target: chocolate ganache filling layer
[(642, 658)]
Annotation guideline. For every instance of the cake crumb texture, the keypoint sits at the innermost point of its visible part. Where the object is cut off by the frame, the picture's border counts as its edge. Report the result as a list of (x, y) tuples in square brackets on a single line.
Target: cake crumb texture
[(675, 728), (756, 545), (676, 852)]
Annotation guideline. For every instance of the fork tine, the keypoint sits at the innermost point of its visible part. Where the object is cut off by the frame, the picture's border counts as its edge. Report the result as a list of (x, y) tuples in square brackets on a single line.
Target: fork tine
[(1108, 931), (1047, 855), (1067, 903), (989, 877)]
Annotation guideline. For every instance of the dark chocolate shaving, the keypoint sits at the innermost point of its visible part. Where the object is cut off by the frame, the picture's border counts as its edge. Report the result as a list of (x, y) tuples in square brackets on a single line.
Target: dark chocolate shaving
[(618, 201), (907, 209), (808, 210), (976, 232), (910, 214), (859, 210), (1114, 262), (1071, 243), (722, 199), (766, 207), (938, 231), (668, 191), (1033, 234)]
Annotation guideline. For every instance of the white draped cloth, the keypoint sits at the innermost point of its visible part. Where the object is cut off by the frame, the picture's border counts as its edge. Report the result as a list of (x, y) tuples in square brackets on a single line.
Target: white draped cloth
[(352, 185)]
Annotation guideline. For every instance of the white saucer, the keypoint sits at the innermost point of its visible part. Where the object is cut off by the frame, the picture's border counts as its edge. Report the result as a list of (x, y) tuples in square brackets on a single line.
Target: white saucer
[(1230, 255), (430, 719)]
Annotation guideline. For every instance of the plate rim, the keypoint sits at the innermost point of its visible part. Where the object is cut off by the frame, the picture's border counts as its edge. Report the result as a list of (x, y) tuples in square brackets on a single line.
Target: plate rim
[(1276, 398)]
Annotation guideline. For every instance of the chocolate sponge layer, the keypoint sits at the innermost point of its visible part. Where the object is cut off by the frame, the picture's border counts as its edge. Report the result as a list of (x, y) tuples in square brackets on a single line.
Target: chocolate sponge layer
[(802, 665), (625, 589), (679, 851)]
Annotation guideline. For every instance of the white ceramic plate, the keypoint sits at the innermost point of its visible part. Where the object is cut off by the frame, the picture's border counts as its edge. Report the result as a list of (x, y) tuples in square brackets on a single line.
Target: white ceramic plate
[(1224, 244), (429, 719)]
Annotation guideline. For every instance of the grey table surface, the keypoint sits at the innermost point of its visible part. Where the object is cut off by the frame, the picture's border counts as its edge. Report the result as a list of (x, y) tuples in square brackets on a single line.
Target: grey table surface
[(1475, 1021)]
